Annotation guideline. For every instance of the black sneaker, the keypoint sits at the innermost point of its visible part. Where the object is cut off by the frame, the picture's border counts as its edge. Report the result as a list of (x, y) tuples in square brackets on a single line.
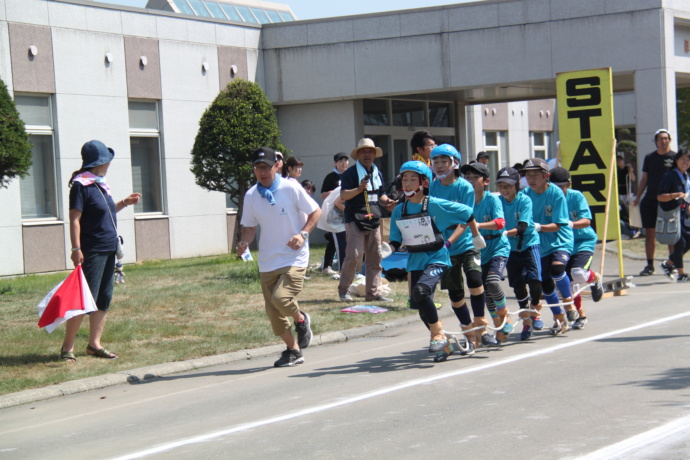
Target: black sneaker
[(489, 340), (304, 333), (684, 278), (597, 289), (289, 358), (647, 271), (669, 270)]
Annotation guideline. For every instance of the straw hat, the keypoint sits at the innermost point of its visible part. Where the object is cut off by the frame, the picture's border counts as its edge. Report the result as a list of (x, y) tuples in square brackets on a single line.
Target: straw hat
[(363, 144)]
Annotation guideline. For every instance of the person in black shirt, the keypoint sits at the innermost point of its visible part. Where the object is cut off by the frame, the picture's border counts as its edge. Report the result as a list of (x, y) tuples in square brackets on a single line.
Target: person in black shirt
[(330, 183), (674, 192), (655, 165), (93, 234)]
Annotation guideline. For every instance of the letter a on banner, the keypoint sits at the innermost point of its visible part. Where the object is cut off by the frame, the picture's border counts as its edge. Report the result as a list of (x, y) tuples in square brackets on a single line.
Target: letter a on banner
[(585, 122)]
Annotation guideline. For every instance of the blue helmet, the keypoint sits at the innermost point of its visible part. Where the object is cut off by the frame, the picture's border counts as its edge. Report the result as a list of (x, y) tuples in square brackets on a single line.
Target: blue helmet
[(418, 167), (447, 150)]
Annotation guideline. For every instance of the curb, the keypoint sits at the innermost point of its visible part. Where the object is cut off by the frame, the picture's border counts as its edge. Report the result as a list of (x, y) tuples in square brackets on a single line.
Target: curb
[(161, 370)]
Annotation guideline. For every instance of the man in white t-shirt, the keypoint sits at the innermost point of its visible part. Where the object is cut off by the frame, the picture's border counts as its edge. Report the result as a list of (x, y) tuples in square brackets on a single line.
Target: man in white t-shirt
[(286, 215)]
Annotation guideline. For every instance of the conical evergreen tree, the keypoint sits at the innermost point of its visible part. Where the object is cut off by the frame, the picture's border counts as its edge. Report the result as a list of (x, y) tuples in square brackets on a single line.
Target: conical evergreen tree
[(15, 148)]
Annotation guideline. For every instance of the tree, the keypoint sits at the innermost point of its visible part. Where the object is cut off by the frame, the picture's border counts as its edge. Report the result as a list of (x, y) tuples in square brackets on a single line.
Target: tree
[(240, 120), (683, 115), (15, 147)]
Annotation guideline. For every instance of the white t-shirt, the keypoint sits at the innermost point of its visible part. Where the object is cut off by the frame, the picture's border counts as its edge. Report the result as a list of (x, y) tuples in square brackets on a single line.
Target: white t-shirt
[(279, 223)]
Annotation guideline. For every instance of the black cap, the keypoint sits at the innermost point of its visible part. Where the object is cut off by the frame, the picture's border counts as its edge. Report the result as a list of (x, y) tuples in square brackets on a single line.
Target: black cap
[(339, 156), (482, 155), (510, 176), (477, 168), (559, 176), (538, 164), (264, 155)]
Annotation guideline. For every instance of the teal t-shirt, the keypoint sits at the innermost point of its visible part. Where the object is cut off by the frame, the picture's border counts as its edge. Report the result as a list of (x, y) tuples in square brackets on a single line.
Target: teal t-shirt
[(460, 191), (520, 210), (445, 214), (488, 209), (547, 208), (584, 238)]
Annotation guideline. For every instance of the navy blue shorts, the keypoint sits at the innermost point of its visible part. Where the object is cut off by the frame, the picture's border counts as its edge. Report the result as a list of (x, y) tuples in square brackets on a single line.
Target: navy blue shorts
[(524, 266), (496, 265), (582, 259), (430, 276)]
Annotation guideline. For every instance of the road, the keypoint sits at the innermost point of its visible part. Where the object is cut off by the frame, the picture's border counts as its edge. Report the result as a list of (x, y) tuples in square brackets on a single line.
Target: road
[(620, 388)]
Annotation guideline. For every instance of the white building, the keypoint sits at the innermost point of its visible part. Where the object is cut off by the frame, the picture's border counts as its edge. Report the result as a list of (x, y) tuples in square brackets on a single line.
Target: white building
[(139, 79)]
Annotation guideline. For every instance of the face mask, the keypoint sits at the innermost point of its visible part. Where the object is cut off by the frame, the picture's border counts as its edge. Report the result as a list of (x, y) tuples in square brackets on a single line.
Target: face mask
[(412, 193)]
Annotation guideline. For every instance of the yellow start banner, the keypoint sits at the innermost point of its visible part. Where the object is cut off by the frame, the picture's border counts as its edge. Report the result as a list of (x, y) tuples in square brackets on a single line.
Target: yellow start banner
[(587, 141)]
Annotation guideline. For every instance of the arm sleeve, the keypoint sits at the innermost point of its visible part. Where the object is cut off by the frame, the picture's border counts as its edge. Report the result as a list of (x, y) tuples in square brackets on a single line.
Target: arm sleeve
[(521, 227)]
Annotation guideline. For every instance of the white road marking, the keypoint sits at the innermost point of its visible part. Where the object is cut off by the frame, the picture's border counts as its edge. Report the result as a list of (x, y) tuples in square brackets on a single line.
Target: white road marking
[(628, 446), (387, 390)]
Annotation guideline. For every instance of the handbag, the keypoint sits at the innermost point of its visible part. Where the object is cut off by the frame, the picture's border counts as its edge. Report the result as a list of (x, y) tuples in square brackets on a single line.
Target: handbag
[(668, 226), (119, 253)]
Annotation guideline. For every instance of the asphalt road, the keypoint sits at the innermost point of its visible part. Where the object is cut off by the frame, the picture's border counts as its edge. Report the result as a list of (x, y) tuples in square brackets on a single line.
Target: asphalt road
[(620, 388)]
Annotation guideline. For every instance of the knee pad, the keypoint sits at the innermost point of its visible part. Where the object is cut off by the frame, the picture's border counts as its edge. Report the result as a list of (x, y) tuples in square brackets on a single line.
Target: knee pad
[(580, 275), (474, 279), (493, 286), (456, 296), (520, 291), (557, 271), (420, 293), (548, 285), (535, 290)]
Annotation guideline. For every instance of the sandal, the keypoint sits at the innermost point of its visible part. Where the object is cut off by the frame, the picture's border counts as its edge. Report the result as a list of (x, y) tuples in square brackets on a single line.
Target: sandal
[(68, 356), (100, 353)]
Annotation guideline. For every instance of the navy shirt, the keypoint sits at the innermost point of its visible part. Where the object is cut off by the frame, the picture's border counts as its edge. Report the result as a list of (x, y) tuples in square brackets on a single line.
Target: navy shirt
[(656, 166), (98, 233), (350, 180)]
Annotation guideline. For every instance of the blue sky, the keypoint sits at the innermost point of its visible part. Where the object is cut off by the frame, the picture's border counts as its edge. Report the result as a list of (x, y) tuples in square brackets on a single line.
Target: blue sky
[(311, 9)]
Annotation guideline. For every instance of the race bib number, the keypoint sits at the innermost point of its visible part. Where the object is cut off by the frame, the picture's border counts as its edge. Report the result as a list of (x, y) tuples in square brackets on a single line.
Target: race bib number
[(416, 231)]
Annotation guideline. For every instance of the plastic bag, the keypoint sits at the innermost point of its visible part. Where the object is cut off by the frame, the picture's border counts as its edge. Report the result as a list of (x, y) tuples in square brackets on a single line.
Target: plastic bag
[(332, 219)]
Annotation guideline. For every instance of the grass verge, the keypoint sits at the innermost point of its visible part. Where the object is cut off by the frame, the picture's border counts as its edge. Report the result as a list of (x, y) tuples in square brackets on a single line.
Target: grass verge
[(166, 311)]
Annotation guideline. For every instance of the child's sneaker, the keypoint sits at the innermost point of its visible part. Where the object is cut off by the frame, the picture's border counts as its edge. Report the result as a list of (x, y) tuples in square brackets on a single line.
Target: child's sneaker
[(683, 278), (526, 333), (537, 323), (572, 315), (580, 323)]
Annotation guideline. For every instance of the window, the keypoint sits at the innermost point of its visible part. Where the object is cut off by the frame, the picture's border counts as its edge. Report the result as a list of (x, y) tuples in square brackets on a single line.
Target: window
[(215, 10), (260, 15), (540, 145), (440, 115), (199, 8), (496, 146), (286, 17), (144, 140), (230, 12), (246, 14), (274, 16), (184, 7), (39, 188), (375, 112), (408, 113)]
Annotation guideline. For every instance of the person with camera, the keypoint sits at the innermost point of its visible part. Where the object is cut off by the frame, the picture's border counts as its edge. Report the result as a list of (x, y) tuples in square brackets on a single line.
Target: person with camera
[(361, 188)]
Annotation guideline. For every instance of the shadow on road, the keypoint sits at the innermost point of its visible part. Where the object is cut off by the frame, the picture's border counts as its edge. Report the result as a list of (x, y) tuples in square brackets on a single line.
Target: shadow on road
[(419, 359), (639, 339), (672, 379), (157, 378)]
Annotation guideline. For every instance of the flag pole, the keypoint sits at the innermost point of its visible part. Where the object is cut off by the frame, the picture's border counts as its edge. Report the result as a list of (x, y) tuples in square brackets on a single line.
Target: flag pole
[(607, 207)]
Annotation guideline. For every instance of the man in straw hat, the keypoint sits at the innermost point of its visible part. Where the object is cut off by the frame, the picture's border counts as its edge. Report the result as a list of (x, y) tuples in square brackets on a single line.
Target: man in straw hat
[(361, 188)]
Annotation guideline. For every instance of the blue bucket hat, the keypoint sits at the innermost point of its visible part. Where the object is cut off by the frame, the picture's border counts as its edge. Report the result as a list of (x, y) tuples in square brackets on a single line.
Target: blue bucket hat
[(95, 153)]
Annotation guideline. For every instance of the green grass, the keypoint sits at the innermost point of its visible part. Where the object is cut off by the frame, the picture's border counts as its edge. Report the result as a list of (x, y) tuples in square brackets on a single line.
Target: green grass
[(166, 311)]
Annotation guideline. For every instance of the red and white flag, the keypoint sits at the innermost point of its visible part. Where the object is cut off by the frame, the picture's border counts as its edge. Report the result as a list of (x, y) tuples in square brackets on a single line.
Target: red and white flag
[(72, 297)]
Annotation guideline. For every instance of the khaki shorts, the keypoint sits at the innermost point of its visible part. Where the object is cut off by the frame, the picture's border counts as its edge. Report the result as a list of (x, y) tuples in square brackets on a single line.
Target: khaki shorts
[(280, 288)]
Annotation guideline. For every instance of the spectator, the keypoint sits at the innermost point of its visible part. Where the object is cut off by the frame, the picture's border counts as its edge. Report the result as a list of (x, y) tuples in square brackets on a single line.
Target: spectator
[(362, 191), (281, 164), (286, 215), (422, 144), (625, 173), (336, 242), (483, 157), (93, 234), (293, 167), (309, 187), (655, 165), (674, 192)]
